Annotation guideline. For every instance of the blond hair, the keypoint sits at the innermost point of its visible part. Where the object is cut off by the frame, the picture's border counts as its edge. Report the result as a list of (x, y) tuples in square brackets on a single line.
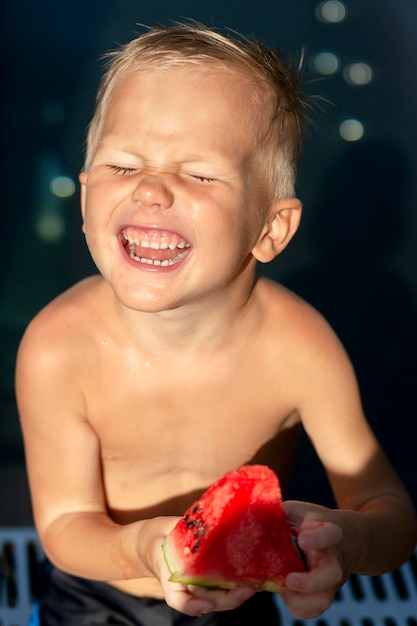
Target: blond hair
[(163, 48)]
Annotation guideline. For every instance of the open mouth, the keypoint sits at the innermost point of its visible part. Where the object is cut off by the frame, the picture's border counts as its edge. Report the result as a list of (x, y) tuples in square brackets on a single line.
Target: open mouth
[(154, 248)]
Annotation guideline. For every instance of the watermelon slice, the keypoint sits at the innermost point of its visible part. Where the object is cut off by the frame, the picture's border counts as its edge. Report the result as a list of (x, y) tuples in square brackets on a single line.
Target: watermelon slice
[(237, 533)]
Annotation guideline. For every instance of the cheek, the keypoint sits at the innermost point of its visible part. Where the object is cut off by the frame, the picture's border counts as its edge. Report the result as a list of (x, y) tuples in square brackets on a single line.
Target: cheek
[(99, 203), (93, 231), (238, 226), (252, 224)]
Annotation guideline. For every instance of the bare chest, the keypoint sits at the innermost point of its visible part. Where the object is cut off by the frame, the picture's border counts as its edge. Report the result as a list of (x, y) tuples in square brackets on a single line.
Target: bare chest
[(167, 428)]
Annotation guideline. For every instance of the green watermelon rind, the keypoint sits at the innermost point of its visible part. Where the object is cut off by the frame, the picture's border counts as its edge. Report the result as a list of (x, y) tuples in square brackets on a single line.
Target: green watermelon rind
[(269, 585), (200, 581)]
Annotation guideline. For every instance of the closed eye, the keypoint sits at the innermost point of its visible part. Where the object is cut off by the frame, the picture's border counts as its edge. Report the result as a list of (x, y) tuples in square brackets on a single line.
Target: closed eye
[(203, 179), (121, 170)]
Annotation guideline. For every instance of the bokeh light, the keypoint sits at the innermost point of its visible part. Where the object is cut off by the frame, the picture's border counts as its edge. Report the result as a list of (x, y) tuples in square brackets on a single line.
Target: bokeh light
[(358, 74), (50, 228), (62, 186), (325, 63), (351, 130), (330, 12)]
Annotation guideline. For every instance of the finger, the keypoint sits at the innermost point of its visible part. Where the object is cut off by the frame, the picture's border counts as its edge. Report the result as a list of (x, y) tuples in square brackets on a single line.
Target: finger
[(223, 599), (195, 607), (181, 600), (307, 607), (294, 512), (319, 535), (198, 591), (328, 575)]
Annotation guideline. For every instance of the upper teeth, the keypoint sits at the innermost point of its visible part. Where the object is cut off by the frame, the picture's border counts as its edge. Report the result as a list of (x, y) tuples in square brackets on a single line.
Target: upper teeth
[(154, 245), (135, 244)]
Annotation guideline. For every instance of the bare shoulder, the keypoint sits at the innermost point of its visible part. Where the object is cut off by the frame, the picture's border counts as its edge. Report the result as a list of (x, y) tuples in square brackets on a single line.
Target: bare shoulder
[(306, 353), (292, 320), (63, 324), (61, 310)]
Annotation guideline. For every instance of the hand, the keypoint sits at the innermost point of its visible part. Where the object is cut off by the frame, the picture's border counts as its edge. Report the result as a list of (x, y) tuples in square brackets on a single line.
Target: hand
[(195, 600), (191, 599), (309, 594)]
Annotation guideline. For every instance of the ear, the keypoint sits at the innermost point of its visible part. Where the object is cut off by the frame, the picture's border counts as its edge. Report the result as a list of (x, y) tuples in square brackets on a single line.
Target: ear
[(283, 222), (83, 182)]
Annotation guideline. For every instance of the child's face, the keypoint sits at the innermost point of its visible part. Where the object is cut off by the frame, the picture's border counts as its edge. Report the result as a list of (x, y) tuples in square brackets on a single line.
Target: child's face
[(172, 206)]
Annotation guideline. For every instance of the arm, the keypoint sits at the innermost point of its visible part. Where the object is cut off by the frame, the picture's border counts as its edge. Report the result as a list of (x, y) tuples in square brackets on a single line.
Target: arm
[(374, 530), (63, 461), (65, 474)]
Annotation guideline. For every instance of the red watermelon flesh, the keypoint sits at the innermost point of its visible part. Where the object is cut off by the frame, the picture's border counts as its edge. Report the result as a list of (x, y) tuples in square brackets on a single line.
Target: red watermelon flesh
[(237, 533)]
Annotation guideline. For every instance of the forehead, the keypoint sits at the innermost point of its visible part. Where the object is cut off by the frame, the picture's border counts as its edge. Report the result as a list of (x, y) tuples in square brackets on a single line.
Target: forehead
[(209, 93)]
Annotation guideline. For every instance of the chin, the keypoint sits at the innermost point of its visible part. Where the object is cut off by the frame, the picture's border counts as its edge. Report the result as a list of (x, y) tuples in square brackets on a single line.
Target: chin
[(144, 302)]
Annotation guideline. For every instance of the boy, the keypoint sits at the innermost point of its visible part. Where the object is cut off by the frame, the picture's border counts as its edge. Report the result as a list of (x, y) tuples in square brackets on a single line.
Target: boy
[(140, 387)]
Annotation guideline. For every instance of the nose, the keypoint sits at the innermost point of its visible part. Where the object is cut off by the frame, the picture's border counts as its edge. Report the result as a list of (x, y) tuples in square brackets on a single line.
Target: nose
[(153, 192)]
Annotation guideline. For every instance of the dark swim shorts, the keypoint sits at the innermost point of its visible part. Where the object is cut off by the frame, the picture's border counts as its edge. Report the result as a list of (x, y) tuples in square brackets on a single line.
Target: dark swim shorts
[(72, 601)]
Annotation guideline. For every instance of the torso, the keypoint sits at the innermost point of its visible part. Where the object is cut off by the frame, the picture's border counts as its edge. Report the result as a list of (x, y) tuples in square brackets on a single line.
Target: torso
[(162, 423)]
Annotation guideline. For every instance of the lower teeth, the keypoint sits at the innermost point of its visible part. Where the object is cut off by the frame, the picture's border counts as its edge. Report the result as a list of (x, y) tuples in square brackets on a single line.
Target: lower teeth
[(145, 261)]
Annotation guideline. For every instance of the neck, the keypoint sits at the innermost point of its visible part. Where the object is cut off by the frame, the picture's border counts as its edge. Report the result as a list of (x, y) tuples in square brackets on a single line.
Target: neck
[(205, 325)]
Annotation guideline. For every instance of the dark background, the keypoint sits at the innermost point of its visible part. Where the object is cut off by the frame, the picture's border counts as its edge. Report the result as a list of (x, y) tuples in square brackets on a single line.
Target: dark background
[(355, 256)]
